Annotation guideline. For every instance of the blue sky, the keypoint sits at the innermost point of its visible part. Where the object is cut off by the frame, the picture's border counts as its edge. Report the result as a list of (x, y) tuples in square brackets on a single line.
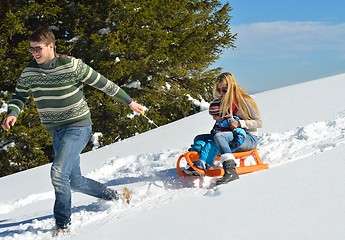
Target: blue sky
[(280, 43)]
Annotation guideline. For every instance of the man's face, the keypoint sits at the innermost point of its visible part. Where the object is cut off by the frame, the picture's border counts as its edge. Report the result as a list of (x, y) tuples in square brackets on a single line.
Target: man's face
[(42, 52)]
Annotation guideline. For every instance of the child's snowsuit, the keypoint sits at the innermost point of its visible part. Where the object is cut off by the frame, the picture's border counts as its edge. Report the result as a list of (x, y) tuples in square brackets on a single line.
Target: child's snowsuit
[(208, 149)]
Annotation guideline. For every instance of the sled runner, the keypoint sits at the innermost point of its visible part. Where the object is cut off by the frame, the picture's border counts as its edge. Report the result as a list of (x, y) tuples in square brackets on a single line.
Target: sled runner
[(191, 157)]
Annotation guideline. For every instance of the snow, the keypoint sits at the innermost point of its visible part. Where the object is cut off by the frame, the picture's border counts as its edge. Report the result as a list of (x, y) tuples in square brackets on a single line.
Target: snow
[(135, 84), (301, 196), (3, 107)]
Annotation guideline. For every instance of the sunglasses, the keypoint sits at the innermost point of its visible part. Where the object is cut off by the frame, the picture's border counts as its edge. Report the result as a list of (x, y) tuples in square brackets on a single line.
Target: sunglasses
[(37, 49), (222, 90)]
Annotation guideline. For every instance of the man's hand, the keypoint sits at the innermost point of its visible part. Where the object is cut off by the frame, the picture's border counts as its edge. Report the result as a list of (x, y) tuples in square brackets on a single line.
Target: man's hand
[(8, 122), (136, 107)]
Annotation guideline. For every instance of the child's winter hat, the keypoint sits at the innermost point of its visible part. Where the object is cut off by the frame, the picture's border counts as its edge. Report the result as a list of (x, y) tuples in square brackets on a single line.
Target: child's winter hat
[(214, 108)]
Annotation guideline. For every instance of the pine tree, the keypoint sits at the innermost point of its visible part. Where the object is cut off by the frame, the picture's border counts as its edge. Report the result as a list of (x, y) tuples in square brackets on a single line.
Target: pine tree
[(158, 51)]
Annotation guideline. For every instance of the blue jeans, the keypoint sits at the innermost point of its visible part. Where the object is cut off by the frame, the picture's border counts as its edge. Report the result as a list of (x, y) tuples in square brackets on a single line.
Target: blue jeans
[(222, 140), (65, 173)]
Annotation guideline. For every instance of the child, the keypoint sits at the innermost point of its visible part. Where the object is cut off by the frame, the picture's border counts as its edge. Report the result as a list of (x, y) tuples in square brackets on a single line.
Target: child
[(207, 147)]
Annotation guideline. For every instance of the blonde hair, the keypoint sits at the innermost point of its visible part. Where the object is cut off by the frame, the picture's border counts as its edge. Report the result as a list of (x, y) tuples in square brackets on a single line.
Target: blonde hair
[(235, 96)]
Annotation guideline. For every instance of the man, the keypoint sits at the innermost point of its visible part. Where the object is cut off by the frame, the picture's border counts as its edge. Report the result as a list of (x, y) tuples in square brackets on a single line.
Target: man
[(56, 84)]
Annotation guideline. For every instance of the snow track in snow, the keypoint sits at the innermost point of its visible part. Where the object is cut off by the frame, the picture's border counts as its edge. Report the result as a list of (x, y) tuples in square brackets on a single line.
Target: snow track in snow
[(279, 148), (153, 181)]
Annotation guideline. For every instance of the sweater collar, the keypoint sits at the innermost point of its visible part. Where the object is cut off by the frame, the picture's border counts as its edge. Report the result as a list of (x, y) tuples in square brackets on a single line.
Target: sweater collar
[(48, 65)]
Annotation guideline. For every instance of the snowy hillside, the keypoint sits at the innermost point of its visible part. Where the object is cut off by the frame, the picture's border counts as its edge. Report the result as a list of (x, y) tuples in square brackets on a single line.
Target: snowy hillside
[(301, 196)]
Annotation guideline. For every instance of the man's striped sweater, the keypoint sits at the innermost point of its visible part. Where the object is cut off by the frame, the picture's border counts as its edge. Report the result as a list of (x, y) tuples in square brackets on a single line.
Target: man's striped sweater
[(58, 93)]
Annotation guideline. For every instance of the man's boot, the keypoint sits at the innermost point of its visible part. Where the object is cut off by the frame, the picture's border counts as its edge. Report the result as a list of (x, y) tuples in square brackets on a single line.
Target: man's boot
[(230, 173)]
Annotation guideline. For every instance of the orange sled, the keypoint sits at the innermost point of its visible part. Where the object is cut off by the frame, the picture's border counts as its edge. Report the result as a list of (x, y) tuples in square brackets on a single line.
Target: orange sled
[(191, 157)]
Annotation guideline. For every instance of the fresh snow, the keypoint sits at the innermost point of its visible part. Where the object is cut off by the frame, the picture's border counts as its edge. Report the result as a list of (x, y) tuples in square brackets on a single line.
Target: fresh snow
[(300, 197)]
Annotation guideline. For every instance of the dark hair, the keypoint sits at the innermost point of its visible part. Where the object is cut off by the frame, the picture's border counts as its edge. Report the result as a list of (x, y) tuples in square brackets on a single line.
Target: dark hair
[(42, 34)]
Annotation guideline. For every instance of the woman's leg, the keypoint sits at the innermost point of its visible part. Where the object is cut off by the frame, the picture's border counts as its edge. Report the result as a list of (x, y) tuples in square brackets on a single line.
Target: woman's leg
[(222, 140), (250, 142)]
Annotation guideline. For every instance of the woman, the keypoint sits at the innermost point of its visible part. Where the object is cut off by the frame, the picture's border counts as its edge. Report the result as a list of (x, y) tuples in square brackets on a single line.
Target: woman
[(235, 102), (205, 145)]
